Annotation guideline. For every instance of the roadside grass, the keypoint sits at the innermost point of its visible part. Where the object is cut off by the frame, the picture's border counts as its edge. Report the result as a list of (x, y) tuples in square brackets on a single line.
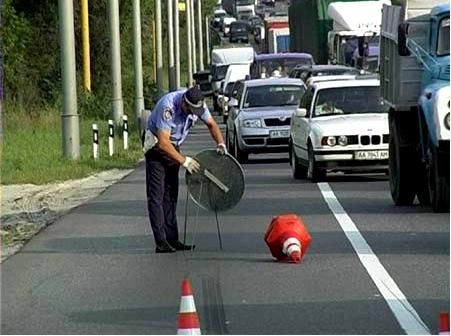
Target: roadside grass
[(32, 149)]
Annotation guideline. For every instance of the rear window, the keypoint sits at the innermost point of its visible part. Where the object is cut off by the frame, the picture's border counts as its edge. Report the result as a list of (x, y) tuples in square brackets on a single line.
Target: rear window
[(264, 68), (239, 27)]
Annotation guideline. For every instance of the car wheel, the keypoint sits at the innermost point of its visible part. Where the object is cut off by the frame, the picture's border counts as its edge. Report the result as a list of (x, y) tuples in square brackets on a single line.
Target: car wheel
[(313, 172), (227, 139), (438, 185), (402, 166), (240, 155), (299, 171), (215, 104)]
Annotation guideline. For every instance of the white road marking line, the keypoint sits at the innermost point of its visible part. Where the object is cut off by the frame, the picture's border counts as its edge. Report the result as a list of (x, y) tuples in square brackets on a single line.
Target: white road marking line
[(406, 315)]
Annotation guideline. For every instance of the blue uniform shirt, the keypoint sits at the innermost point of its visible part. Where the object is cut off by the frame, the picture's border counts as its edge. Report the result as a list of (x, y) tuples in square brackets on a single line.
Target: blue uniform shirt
[(168, 115)]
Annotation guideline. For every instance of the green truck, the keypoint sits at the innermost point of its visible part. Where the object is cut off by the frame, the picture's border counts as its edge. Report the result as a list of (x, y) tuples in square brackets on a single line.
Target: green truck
[(325, 31)]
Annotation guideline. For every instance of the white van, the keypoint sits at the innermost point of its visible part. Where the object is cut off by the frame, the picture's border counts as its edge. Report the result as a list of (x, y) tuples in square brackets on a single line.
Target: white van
[(235, 72), (221, 58)]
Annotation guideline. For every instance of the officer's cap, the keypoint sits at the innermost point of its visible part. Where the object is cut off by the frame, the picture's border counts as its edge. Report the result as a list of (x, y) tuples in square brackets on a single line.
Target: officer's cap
[(194, 98)]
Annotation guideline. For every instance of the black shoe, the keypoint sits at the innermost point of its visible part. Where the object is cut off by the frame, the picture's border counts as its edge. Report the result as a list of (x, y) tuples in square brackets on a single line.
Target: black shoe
[(164, 247), (179, 246)]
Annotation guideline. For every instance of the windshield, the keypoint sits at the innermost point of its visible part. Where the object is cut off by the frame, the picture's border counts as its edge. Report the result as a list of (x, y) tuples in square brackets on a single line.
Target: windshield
[(349, 100), (220, 14), (219, 72), (228, 89), (273, 95), (443, 38), (283, 65)]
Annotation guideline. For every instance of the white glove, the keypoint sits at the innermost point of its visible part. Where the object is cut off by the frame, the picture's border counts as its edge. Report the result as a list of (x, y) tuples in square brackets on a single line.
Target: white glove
[(191, 165), (221, 149)]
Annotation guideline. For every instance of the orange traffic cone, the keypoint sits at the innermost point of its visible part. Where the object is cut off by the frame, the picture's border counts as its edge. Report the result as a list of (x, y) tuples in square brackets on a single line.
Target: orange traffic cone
[(288, 238), (188, 322), (443, 327)]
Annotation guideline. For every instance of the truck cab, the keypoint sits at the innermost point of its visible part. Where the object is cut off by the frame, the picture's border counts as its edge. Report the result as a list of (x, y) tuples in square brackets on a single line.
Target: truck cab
[(354, 39), (415, 73)]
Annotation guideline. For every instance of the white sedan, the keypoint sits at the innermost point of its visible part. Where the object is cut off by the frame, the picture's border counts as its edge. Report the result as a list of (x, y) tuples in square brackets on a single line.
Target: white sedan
[(340, 125)]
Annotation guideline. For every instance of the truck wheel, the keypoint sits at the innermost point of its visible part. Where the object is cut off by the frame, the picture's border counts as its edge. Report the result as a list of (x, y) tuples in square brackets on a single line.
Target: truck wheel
[(215, 104), (299, 171), (438, 185), (401, 166), (227, 139), (423, 194), (313, 172), (240, 155)]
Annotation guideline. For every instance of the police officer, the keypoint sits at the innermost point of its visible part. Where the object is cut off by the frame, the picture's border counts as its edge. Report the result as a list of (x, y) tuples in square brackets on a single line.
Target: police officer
[(167, 128)]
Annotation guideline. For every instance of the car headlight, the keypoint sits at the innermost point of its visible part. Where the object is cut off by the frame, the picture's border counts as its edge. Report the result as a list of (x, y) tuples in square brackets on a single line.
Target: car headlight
[(446, 121), (342, 140), (329, 141), (252, 123)]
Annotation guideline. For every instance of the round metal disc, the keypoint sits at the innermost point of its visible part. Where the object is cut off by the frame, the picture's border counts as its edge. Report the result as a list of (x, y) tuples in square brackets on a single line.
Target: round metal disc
[(219, 185)]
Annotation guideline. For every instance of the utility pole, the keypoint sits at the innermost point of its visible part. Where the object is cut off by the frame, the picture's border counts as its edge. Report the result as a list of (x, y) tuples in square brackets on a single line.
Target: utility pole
[(193, 37), (137, 53), (159, 48), (115, 44), (189, 40), (199, 34), (69, 116), (85, 45), (207, 39), (177, 43), (154, 51), (171, 65)]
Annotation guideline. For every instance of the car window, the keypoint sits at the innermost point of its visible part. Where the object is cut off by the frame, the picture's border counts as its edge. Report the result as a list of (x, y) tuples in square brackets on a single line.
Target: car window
[(305, 75), (294, 73), (349, 100), (240, 90), (273, 95), (306, 100)]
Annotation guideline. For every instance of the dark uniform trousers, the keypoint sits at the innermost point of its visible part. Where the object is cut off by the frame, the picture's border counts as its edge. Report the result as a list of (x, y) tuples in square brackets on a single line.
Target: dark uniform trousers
[(162, 187)]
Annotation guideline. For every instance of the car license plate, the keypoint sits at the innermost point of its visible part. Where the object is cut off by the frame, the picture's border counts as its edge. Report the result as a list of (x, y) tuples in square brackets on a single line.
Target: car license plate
[(279, 134), (371, 155)]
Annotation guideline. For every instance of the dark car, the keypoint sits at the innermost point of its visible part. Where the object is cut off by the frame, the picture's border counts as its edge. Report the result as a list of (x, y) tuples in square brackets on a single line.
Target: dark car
[(239, 32), (254, 21), (304, 72)]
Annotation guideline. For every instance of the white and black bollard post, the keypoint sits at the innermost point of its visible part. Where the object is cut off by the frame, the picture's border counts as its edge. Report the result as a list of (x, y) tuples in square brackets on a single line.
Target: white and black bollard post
[(125, 131), (111, 137), (95, 141)]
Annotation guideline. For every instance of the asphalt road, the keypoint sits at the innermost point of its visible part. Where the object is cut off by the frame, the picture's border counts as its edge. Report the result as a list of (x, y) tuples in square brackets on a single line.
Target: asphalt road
[(95, 271)]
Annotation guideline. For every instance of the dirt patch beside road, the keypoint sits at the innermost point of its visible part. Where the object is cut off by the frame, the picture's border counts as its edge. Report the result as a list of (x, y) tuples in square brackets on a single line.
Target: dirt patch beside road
[(26, 209)]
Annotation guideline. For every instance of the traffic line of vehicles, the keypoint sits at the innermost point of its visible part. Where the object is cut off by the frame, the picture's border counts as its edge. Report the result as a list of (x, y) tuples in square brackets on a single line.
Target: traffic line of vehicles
[(336, 117)]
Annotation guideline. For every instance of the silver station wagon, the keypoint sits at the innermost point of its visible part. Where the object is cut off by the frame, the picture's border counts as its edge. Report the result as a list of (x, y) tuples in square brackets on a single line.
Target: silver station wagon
[(259, 116)]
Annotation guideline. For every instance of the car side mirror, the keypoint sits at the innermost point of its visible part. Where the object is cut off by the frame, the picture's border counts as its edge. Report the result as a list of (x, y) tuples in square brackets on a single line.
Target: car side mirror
[(233, 102), (300, 113)]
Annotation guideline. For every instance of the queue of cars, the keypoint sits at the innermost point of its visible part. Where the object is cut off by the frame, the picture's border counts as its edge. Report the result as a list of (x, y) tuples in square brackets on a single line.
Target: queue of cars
[(327, 118), (330, 120)]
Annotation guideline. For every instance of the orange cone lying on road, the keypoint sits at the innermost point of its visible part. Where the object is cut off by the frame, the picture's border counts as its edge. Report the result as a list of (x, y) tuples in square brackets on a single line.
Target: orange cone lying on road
[(288, 238), (443, 327), (188, 322)]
